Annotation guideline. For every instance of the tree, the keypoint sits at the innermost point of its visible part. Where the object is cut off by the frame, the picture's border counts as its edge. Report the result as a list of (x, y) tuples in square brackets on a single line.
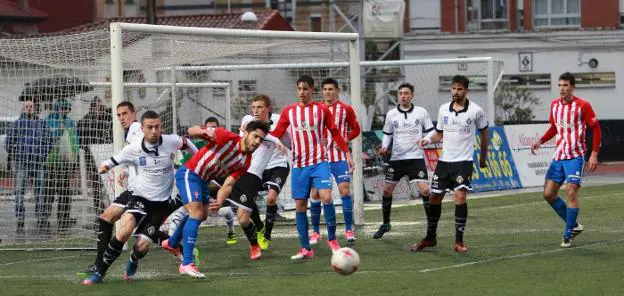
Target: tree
[(514, 104)]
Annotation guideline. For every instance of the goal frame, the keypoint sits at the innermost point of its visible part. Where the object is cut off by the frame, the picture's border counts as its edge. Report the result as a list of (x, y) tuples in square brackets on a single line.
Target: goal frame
[(117, 84)]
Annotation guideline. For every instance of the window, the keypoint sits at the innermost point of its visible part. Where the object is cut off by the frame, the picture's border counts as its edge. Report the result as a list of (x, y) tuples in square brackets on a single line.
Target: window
[(315, 23), (285, 8), (597, 79), (557, 13), (528, 80), (486, 15), (477, 82)]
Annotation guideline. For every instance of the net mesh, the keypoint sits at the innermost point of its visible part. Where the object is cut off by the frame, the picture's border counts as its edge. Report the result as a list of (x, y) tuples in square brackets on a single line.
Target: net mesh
[(58, 185)]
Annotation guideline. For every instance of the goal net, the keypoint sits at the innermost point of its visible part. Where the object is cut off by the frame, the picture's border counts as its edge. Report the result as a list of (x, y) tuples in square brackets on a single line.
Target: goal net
[(187, 75)]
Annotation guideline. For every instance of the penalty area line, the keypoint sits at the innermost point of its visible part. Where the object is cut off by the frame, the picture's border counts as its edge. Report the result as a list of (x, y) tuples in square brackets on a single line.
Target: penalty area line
[(528, 254)]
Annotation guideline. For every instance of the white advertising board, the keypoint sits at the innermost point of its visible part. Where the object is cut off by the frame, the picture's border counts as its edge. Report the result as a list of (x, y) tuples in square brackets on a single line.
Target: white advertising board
[(531, 168)]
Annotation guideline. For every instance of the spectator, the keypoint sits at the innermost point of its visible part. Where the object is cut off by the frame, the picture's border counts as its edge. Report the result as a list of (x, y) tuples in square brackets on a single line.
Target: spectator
[(95, 128), (27, 144), (61, 163)]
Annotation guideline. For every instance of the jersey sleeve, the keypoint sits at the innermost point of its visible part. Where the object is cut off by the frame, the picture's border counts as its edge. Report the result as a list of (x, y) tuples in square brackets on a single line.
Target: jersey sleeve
[(126, 156), (134, 133), (354, 126), (480, 121), (282, 124), (426, 122), (388, 128), (589, 117), (440, 124)]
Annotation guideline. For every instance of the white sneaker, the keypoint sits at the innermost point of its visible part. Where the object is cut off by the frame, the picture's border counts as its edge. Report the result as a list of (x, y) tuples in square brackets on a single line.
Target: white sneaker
[(566, 243), (577, 230), (191, 270)]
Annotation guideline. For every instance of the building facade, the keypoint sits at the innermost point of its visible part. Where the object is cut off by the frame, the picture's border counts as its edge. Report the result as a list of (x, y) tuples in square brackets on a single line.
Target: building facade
[(536, 39)]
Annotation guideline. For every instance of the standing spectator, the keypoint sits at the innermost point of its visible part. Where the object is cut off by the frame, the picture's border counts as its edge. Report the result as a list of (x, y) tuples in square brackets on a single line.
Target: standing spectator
[(95, 128), (61, 163), (27, 144)]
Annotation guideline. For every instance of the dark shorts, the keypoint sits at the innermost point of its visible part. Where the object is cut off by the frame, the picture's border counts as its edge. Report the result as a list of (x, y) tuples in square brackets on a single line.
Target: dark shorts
[(122, 200), (274, 178), (245, 192), (149, 215), (414, 169), (451, 176)]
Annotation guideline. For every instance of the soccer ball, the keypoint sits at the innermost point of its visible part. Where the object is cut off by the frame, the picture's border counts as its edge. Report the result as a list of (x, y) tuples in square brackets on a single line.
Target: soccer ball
[(345, 261)]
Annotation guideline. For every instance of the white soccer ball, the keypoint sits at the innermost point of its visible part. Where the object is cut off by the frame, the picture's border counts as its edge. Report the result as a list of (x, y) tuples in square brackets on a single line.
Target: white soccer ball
[(345, 261)]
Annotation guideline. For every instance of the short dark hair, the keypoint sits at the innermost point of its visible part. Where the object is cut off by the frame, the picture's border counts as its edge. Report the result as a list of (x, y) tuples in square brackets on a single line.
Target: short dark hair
[(411, 87), (330, 80), (567, 76), (149, 114), (307, 79), (257, 124), (126, 104), (262, 97), (212, 119), (461, 79)]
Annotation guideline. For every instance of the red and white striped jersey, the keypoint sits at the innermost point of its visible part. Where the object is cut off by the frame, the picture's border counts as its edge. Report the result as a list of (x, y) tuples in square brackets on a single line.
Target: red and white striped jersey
[(348, 126), (221, 157), (570, 121), (307, 125)]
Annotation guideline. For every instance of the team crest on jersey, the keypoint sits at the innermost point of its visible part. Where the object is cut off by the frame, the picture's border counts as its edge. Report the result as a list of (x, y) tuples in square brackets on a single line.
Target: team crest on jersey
[(417, 122), (395, 123), (459, 179), (468, 121), (142, 161)]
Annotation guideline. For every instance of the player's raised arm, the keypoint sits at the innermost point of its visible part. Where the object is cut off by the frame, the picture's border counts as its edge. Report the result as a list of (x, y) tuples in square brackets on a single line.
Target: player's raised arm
[(589, 117), (282, 124), (352, 123), (187, 145), (208, 134)]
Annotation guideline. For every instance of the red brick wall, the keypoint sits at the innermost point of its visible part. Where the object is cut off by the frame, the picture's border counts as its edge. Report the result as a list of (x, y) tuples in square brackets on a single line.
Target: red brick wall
[(600, 14), (528, 14)]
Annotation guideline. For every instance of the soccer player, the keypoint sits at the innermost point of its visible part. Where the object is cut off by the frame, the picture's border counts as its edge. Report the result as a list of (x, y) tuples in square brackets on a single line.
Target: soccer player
[(272, 172), (225, 211), (569, 118), (308, 121), (226, 155), (149, 204), (345, 120), (457, 124), (404, 127), (126, 115)]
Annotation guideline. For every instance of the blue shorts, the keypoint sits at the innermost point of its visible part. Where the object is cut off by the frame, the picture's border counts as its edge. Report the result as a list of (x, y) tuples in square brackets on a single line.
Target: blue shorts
[(303, 179), (566, 171), (340, 171), (191, 187)]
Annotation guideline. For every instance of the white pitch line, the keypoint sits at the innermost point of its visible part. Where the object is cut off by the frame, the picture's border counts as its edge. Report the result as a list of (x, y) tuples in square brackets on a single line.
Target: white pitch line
[(605, 243), (38, 260)]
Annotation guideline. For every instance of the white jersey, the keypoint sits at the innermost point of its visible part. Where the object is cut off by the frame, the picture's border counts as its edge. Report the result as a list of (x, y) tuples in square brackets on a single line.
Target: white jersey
[(266, 156), (405, 128), (155, 166), (459, 130), (134, 134)]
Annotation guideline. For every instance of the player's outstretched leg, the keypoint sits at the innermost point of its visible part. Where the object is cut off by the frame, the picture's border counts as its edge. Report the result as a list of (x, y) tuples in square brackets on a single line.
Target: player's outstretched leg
[(315, 213), (435, 211)]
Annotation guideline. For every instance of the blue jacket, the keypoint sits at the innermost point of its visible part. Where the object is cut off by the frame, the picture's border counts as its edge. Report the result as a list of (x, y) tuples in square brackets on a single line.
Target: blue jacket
[(28, 140)]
